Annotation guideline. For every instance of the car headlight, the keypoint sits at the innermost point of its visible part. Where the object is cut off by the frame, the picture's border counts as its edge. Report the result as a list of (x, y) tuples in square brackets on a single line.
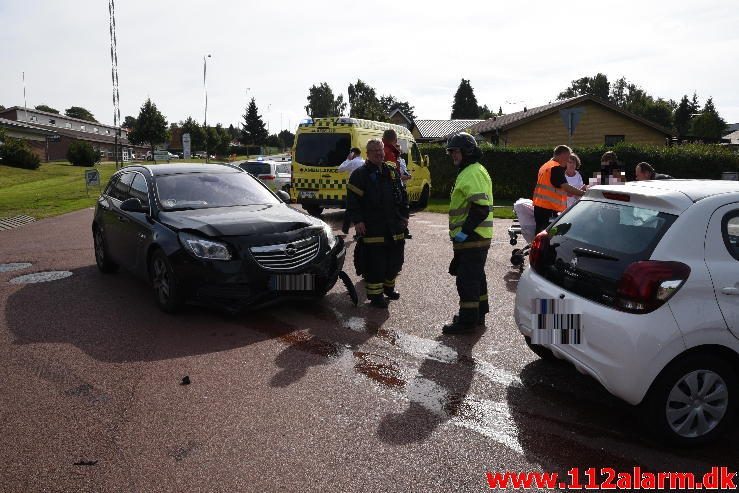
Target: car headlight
[(202, 248), (329, 235)]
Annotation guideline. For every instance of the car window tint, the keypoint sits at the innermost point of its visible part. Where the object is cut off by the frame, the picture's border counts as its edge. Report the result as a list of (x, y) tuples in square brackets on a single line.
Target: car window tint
[(257, 169), (206, 190), (121, 187), (109, 190), (415, 153), (322, 149), (139, 189), (730, 231)]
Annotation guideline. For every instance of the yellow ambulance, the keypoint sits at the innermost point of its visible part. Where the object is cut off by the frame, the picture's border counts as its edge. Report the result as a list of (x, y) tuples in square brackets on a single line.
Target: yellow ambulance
[(322, 144)]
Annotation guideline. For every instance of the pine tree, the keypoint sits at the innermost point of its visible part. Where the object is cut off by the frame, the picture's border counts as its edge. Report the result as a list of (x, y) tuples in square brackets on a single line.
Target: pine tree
[(465, 103), (253, 131), (682, 117), (151, 127), (709, 125)]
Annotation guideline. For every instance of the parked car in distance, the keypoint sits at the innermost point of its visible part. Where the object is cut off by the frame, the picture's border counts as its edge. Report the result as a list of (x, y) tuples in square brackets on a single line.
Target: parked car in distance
[(212, 235), (173, 156), (275, 174), (653, 269)]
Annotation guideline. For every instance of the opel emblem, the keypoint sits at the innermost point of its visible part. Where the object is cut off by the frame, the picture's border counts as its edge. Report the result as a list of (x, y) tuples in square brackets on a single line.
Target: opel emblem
[(291, 250)]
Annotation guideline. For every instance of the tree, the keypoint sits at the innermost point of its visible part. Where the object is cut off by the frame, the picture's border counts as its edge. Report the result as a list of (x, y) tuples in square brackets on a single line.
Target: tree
[(287, 138), (682, 117), (48, 109), (465, 103), (219, 139), (151, 127), (321, 102), (197, 134), (485, 112), (272, 141), (364, 103), (2, 108), (500, 111), (709, 125), (129, 122), (390, 104), (253, 131), (81, 113), (597, 86), (81, 153), (233, 132), (694, 105)]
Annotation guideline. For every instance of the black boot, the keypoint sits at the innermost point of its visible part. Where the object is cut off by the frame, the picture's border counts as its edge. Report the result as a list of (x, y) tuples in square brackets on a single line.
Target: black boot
[(480, 319), (392, 294), (457, 327), (378, 301)]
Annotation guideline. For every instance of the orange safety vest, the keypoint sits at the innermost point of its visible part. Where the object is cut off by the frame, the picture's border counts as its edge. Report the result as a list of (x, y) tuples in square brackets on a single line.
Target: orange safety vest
[(545, 195)]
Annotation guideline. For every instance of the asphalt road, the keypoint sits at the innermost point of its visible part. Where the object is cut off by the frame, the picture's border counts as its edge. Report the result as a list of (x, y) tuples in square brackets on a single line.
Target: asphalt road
[(306, 397)]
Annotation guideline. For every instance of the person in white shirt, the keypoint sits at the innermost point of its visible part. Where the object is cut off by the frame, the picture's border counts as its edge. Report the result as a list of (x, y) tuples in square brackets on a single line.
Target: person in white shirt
[(353, 161), (572, 174)]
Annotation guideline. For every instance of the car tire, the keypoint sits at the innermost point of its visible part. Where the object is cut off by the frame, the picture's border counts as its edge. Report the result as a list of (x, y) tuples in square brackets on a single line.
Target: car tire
[(540, 351), (166, 288), (710, 376), (102, 258), (313, 210)]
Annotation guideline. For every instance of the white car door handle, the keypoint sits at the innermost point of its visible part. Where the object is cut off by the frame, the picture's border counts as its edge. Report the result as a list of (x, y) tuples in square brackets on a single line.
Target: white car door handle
[(730, 291)]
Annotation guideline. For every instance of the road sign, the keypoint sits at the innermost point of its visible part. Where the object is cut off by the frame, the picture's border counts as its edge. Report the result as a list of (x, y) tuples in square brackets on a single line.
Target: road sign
[(54, 138)]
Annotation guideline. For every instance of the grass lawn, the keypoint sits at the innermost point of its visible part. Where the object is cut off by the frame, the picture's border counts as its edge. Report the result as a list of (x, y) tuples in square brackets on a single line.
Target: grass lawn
[(53, 189), (503, 208)]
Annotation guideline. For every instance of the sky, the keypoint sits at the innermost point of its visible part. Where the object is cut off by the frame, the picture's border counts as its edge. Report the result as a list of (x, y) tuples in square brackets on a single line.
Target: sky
[(515, 54)]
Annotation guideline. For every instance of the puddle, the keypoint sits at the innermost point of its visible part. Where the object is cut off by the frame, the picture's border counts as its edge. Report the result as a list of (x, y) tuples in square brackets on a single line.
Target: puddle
[(307, 343), (14, 266), (36, 277)]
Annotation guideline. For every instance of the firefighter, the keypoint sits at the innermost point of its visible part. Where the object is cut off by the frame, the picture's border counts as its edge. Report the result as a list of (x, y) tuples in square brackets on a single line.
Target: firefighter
[(378, 208), (471, 231)]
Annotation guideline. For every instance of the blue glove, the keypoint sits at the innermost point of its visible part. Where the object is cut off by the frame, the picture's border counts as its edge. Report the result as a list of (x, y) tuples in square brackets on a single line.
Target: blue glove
[(460, 237)]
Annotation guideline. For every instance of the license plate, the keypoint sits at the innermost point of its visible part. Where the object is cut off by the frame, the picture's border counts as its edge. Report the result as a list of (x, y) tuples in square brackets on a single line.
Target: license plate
[(308, 194), (292, 282), (556, 322)]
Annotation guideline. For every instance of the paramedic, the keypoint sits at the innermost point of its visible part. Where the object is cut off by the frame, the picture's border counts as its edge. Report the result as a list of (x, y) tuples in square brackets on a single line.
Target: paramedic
[(550, 194)]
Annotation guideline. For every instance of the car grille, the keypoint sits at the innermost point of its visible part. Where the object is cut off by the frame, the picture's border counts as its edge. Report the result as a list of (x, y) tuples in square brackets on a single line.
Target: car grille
[(287, 256)]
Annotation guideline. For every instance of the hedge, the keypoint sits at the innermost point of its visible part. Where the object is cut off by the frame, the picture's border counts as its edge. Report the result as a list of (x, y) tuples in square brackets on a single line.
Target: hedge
[(514, 169), (82, 154), (16, 153)]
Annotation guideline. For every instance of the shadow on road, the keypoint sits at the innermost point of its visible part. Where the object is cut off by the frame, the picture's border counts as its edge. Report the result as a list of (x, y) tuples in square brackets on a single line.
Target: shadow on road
[(436, 393), (565, 419)]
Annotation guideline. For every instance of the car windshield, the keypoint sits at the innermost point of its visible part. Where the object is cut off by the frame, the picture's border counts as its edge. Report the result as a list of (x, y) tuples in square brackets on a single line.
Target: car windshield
[(256, 169), (322, 149), (207, 190)]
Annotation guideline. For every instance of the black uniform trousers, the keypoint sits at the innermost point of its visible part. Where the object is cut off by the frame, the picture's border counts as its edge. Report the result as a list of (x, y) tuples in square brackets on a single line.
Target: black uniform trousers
[(472, 286), (382, 262), (542, 216)]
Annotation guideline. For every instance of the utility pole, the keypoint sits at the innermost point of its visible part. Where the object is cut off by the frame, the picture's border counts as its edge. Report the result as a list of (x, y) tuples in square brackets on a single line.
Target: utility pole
[(205, 116)]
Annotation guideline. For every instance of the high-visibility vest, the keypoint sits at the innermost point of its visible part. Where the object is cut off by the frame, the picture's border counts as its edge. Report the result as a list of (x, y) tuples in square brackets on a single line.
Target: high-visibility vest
[(473, 186), (545, 195)]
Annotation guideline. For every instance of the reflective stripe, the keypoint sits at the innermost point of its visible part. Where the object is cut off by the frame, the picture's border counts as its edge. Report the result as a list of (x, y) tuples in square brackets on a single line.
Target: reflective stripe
[(373, 239), (547, 187), (355, 189), (469, 304), (471, 244), (399, 237), (484, 297), (545, 195), (374, 288), (484, 224), (478, 196), (465, 209), (389, 284)]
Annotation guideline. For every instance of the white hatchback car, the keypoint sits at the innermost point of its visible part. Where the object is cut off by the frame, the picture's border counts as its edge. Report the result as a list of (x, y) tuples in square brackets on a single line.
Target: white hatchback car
[(275, 174), (652, 267)]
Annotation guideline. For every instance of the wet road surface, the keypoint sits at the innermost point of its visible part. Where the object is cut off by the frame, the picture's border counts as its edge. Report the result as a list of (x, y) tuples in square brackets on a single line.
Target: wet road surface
[(308, 396)]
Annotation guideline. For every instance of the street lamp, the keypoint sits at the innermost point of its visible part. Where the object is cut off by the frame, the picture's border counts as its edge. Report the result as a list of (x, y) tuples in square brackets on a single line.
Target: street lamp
[(205, 116)]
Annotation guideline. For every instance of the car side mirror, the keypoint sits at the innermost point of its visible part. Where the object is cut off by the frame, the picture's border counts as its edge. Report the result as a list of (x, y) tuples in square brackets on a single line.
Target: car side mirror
[(283, 195), (133, 205)]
